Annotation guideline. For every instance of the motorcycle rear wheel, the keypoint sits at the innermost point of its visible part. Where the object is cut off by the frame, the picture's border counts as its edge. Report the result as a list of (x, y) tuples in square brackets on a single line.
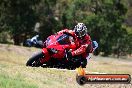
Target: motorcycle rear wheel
[(34, 61)]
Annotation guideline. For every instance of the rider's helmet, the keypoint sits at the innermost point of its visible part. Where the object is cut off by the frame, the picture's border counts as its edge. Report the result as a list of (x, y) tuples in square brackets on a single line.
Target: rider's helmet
[(80, 30)]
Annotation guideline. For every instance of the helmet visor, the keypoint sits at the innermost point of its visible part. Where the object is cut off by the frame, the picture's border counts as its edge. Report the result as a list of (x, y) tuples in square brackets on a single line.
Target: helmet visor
[(80, 33)]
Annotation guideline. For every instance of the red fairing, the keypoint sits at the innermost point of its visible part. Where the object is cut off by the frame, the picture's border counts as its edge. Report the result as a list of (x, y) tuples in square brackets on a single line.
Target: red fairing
[(47, 55), (45, 51), (59, 42)]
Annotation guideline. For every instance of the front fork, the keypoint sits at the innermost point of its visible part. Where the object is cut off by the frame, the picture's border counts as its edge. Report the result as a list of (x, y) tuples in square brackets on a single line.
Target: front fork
[(46, 56)]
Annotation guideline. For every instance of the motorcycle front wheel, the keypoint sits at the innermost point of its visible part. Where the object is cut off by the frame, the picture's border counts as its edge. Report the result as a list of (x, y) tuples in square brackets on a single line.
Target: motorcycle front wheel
[(34, 61)]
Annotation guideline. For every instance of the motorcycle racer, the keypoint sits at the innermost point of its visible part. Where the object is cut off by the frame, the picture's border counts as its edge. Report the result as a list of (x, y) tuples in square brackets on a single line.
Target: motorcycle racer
[(84, 44), (66, 49)]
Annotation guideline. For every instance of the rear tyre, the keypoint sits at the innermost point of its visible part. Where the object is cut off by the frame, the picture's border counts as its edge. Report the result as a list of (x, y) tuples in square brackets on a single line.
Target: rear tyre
[(34, 61)]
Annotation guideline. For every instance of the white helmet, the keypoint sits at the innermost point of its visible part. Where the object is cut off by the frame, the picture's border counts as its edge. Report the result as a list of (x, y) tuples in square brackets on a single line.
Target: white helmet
[(80, 30)]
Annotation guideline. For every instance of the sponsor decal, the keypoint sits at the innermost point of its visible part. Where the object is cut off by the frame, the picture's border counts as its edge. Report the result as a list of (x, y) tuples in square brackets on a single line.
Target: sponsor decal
[(83, 78)]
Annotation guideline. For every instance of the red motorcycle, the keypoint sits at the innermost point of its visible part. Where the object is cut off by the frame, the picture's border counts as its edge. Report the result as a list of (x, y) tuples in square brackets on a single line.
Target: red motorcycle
[(55, 53)]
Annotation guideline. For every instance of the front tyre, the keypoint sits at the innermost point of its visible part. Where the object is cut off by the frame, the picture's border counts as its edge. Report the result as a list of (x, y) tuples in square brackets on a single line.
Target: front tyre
[(34, 61)]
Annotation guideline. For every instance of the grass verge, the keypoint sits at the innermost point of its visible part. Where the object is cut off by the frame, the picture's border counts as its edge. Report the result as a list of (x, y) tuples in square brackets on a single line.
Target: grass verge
[(14, 82)]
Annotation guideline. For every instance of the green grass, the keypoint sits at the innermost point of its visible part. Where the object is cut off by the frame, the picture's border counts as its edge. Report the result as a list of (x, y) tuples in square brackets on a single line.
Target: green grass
[(14, 82)]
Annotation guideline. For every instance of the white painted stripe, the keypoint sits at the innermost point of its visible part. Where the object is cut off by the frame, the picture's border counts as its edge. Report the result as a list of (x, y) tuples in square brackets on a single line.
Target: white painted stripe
[(75, 71)]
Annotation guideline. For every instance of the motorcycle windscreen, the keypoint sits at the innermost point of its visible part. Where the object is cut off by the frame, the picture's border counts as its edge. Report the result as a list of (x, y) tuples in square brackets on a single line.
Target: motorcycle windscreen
[(64, 40)]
